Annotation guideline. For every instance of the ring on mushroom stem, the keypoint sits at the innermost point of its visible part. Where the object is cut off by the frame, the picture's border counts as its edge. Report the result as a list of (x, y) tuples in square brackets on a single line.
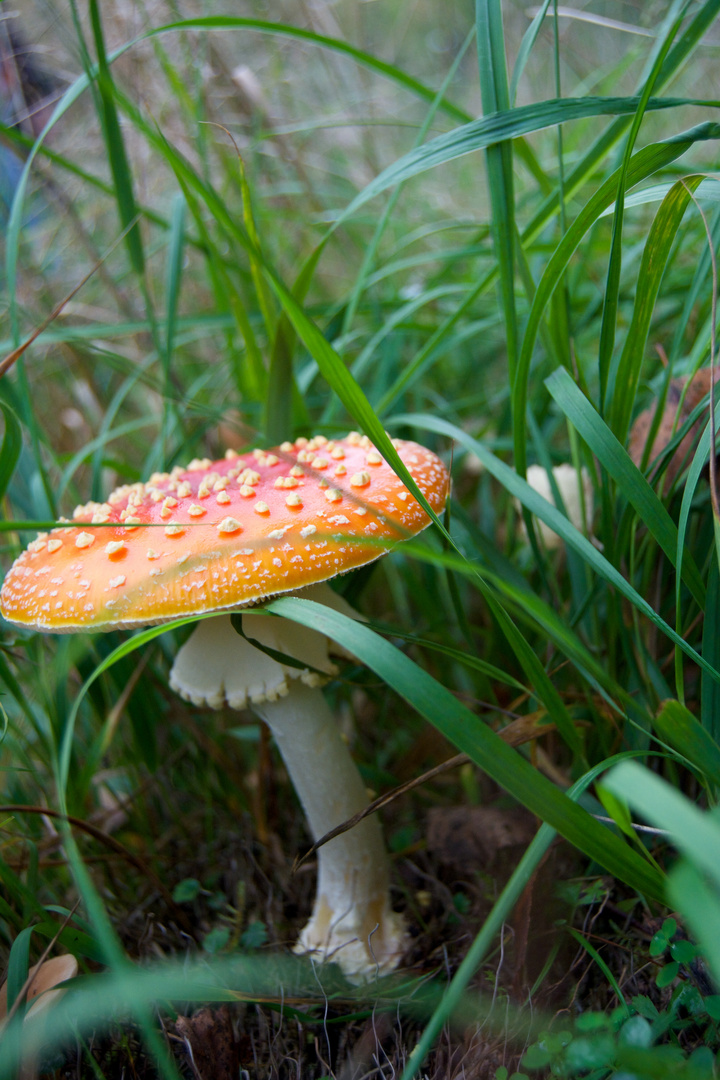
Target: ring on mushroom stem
[(219, 536)]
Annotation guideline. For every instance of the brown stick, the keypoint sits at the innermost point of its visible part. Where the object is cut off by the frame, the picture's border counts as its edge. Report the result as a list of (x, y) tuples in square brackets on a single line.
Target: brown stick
[(10, 359)]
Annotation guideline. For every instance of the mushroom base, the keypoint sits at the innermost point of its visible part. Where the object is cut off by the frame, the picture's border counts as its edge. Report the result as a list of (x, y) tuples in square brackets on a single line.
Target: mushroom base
[(352, 923), (365, 940)]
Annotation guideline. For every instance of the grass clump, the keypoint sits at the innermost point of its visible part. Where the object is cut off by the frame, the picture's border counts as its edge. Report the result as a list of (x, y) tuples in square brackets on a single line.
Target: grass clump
[(282, 226)]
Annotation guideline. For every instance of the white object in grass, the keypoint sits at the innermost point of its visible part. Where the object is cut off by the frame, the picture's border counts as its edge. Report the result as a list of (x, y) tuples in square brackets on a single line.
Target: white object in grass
[(574, 490)]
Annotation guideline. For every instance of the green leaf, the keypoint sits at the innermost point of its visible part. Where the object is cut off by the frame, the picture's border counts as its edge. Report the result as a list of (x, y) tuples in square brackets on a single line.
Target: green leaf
[(684, 952), (636, 1032), (617, 809), (18, 965), (254, 936), (658, 944), (536, 1057), (677, 726), (666, 975), (216, 940), (186, 891), (712, 1006), (592, 1052)]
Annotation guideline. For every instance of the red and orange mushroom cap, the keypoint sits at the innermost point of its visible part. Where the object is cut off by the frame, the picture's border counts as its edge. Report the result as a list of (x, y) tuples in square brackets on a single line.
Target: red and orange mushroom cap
[(223, 534)]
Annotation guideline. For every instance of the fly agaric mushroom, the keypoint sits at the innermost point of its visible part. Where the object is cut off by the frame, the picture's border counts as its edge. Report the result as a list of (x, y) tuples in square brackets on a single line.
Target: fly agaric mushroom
[(226, 535)]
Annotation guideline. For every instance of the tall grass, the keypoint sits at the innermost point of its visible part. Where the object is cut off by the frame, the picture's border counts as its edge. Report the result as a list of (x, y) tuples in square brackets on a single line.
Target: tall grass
[(364, 251)]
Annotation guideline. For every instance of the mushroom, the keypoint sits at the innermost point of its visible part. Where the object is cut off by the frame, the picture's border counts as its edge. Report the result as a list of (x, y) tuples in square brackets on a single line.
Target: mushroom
[(569, 484), (226, 535)]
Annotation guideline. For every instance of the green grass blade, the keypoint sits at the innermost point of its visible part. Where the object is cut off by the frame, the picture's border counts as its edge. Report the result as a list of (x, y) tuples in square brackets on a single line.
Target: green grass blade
[(502, 126), (419, 364), (115, 144), (612, 285), (709, 689), (470, 661), (657, 250), (372, 248), (278, 402), (557, 521), (690, 892), (11, 447), (511, 771), (631, 482), (501, 912), (697, 465), (709, 189), (677, 726), (137, 641), (264, 297), (700, 277), (277, 29), (526, 45), (588, 163), (18, 965), (176, 252), (643, 164), (694, 833), (698, 26), (499, 159)]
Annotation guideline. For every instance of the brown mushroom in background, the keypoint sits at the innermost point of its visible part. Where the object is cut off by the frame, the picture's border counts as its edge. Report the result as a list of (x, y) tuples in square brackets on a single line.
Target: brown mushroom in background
[(673, 417), (217, 537)]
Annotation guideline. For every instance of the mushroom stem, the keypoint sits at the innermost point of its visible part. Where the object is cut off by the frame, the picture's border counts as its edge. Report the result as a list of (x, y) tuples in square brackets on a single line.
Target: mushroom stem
[(352, 921)]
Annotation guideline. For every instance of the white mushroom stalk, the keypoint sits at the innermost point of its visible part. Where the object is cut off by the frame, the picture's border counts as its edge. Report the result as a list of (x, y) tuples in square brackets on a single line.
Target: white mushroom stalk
[(352, 921)]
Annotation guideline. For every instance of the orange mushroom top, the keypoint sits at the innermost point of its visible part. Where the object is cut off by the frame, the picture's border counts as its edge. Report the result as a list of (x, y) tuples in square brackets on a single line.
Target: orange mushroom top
[(222, 534)]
